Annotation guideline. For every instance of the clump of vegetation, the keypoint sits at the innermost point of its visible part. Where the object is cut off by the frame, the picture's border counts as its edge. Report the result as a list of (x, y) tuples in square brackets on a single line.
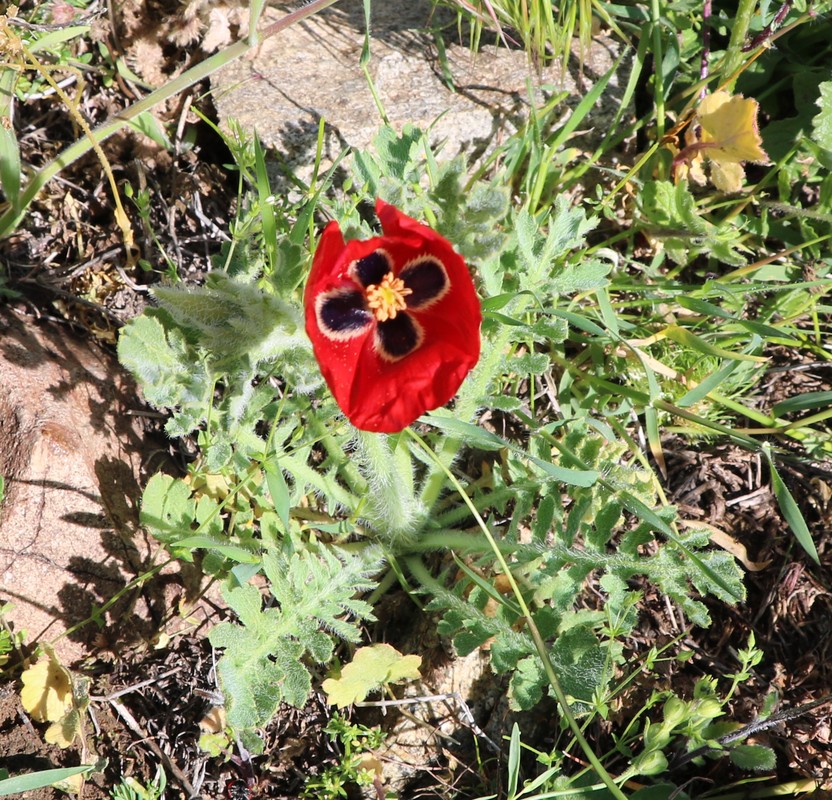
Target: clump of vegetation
[(529, 517)]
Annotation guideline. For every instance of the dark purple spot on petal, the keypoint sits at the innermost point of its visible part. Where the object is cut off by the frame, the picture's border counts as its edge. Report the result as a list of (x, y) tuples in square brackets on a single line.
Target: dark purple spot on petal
[(342, 314), (398, 337), (372, 268), (427, 280)]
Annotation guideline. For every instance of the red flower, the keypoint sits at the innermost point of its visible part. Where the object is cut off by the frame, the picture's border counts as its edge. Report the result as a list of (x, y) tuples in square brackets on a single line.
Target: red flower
[(394, 321)]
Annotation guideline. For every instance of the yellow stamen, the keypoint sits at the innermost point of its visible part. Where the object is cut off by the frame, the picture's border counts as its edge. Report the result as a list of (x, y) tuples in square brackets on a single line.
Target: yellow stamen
[(386, 299)]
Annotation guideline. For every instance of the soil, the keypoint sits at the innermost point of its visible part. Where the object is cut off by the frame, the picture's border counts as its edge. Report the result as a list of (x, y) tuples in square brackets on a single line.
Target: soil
[(148, 701)]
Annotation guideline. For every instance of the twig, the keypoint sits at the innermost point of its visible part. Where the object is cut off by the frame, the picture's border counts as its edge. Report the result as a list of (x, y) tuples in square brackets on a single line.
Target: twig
[(107, 697), (769, 29), (432, 698), (758, 726), (171, 768)]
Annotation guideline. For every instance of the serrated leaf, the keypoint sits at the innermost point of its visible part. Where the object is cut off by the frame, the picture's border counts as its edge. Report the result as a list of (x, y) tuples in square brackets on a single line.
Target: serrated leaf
[(504, 402), (507, 651), (568, 227), (586, 276), (166, 366), (236, 321), (371, 668), (475, 436), (822, 123), (526, 685), (247, 603), (529, 364), (567, 230), (671, 206), (313, 598), (580, 663), (753, 756)]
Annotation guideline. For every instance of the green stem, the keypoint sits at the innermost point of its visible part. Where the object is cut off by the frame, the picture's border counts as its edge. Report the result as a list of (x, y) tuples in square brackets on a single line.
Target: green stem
[(10, 220), (420, 572), (658, 77), (466, 405), (452, 539), (394, 511), (739, 33), (435, 482), (348, 471)]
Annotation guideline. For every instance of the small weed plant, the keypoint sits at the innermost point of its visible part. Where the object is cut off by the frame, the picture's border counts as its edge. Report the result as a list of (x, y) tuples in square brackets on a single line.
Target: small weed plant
[(357, 764), (131, 789)]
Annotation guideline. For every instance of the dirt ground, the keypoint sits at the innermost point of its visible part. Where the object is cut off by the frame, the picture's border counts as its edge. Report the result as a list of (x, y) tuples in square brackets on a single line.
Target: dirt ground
[(66, 261)]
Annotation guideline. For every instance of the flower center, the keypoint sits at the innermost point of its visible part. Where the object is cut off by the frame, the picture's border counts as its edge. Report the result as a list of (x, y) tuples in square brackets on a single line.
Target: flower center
[(386, 299)]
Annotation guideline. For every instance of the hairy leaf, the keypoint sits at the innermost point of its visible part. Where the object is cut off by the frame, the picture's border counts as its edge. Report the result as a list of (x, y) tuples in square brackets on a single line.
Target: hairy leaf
[(822, 123), (312, 599)]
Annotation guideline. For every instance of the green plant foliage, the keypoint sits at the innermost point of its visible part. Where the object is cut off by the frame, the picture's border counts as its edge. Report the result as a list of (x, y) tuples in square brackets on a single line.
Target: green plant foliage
[(131, 789), (621, 303), (753, 757), (571, 545), (311, 599), (356, 765), (228, 332), (282, 482), (671, 215), (19, 784), (822, 123)]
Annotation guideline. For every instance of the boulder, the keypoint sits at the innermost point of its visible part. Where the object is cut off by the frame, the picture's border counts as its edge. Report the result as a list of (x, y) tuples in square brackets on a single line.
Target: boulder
[(470, 101), (70, 456)]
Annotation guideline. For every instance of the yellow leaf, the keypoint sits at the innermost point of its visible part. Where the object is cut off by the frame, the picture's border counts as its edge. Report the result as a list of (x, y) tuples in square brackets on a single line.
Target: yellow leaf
[(47, 690), (71, 785), (369, 763), (65, 730), (727, 177), (370, 668), (723, 131), (731, 122)]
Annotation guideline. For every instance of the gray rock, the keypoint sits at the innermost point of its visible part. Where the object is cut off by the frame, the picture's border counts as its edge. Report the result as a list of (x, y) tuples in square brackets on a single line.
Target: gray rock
[(311, 71)]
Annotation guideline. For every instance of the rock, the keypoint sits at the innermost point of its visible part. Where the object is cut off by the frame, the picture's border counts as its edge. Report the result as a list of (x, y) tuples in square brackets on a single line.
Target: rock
[(311, 71), (70, 456)]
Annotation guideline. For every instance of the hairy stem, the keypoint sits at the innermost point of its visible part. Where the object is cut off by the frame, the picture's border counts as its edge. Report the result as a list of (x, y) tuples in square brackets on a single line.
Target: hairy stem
[(394, 511)]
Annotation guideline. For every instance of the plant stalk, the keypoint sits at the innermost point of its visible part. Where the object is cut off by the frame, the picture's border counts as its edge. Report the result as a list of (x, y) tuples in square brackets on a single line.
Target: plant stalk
[(734, 55)]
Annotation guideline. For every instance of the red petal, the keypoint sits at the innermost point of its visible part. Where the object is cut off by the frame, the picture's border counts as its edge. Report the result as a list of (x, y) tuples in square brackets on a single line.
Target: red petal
[(374, 393)]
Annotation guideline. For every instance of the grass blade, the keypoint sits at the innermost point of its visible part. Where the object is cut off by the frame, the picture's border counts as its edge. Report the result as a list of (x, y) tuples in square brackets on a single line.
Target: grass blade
[(789, 509)]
